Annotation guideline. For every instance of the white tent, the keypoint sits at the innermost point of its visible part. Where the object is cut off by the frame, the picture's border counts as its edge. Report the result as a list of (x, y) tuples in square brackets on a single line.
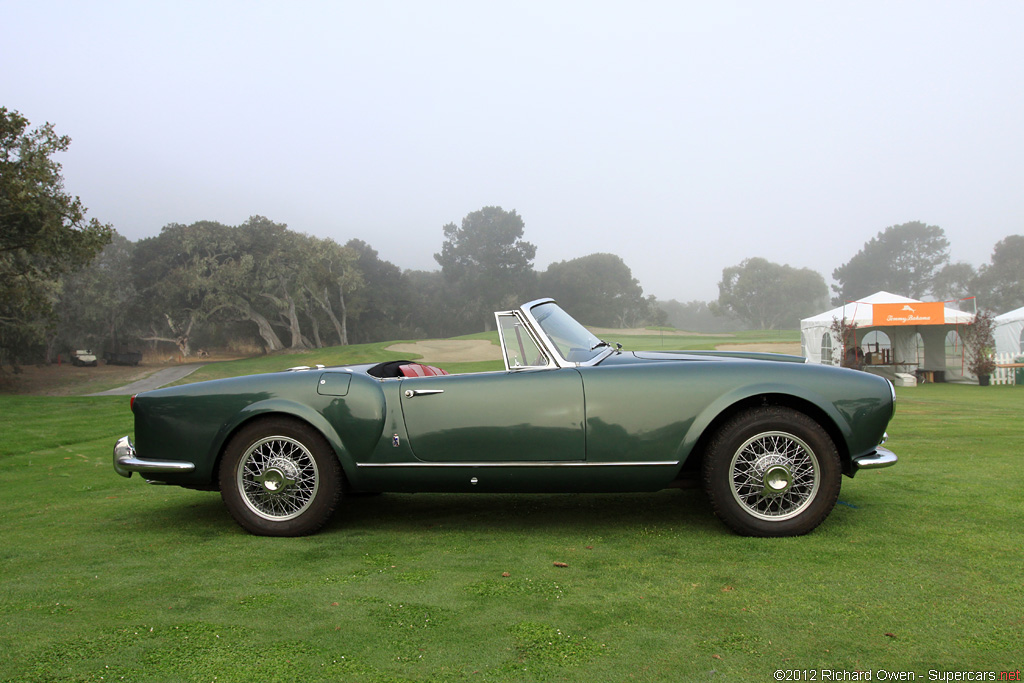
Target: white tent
[(820, 345), (1009, 332)]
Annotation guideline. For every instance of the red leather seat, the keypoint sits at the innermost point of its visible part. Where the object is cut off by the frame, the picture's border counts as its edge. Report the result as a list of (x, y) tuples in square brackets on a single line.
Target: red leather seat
[(419, 370)]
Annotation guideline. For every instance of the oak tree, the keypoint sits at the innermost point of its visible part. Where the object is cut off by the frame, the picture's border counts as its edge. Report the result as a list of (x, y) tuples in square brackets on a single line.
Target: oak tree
[(43, 232), (487, 262), (902, 259), (769, 296)]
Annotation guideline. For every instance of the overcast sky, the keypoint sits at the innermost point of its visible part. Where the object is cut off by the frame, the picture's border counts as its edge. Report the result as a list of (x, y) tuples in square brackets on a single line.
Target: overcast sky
[(684, 137)]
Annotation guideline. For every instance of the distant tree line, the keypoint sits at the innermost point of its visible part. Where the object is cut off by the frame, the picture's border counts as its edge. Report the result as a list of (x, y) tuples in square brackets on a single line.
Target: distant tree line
[(262, 285), (910, 259)]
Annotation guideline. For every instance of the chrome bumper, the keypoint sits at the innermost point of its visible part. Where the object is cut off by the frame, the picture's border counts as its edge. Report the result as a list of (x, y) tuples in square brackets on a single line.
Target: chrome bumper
[(881, 457), (125, 461)]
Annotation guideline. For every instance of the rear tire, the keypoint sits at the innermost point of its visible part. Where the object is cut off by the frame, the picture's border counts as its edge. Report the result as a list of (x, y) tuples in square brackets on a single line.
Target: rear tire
[(280, 477), (772, 471)]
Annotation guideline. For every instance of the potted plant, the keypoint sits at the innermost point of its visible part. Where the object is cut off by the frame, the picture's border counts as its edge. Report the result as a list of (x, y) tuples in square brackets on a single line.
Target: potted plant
[(979, 343)]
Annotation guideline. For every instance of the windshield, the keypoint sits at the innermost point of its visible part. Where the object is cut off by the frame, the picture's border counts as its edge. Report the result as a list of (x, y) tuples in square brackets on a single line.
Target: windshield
[(573, 341)]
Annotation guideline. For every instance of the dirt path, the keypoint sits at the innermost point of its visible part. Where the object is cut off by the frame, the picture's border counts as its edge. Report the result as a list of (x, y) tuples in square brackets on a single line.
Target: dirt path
[(155, 381)]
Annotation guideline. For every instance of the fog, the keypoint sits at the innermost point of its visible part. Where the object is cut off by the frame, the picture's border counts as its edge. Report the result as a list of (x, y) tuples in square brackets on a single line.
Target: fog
[(683, 137)]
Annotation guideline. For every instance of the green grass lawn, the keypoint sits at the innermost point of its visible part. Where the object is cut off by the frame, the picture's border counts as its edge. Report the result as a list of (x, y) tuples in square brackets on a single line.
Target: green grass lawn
[(105, 579)]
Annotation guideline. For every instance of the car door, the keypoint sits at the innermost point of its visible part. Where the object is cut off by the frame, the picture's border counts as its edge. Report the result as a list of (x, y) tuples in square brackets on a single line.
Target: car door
[(519, 416)]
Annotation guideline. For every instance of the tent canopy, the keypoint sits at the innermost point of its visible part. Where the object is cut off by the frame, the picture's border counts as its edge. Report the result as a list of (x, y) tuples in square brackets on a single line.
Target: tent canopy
[(1009, 332), (862, 312), (930, 320)]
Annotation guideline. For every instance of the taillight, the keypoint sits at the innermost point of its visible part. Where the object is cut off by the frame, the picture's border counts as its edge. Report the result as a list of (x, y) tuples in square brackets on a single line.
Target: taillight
[(132, 403)]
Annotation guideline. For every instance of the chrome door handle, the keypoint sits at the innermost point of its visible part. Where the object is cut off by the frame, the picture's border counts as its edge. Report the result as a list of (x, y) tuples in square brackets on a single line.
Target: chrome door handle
[(409, 393)]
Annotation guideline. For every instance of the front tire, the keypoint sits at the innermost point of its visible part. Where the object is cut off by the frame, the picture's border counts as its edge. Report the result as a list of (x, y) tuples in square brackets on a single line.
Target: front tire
[(280, 477), (772, 471)]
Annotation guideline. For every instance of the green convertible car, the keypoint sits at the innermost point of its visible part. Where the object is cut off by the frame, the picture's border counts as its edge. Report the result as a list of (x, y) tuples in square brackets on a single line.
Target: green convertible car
[(767, 435)]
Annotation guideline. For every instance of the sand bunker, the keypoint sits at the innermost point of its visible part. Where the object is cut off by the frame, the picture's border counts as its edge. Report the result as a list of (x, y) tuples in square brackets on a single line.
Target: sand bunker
[(792, 348), (450, 350), (601, 332)]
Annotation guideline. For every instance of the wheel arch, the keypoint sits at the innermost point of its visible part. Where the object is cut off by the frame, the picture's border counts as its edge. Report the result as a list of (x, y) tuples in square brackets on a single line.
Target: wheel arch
[(282, 409), (694, 462)]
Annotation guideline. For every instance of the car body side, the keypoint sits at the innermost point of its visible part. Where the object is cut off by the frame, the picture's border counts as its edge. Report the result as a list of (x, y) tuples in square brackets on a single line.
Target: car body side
[(638, 424)]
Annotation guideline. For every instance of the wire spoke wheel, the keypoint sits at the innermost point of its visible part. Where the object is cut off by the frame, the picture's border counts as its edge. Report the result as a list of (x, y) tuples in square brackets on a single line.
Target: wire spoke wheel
[(774, 475), (278, 478), (772, 471)]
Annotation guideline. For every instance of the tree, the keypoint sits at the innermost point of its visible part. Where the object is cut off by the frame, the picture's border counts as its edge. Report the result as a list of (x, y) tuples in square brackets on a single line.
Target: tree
[(598, 289), (43, 232), (487, 262), (901, 259), (276, 282), (382, 307), (1000, 284), (96, 301), (180, 277), (434, 305), (333, 276), (280, 270), (769, 296), (696, 316), (954, 281)]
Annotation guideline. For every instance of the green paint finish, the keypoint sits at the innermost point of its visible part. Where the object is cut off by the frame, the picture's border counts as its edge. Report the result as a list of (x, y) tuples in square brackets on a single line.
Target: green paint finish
[(493, 417), (334, 383)]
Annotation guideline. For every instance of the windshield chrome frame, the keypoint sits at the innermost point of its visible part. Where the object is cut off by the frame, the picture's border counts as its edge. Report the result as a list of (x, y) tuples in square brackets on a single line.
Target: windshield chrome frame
[(526, 311)]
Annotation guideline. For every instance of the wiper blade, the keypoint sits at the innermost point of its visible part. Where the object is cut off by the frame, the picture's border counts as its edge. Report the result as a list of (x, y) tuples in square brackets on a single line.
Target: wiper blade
[(599, 344)]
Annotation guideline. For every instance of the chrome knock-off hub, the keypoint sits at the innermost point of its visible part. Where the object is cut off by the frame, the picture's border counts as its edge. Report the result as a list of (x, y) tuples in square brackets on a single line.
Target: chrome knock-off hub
[(777, 479), (278, 476)]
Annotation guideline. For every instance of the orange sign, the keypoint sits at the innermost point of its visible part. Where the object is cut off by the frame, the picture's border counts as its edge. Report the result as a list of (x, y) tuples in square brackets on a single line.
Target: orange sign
[(916, 313)]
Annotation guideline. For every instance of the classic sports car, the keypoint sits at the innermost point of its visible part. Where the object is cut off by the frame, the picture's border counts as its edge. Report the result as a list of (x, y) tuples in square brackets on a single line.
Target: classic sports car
[(768, 435)]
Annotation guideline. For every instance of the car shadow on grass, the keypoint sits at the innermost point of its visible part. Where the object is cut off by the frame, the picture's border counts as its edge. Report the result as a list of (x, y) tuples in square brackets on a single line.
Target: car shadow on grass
[(522, 512), (205, 518)]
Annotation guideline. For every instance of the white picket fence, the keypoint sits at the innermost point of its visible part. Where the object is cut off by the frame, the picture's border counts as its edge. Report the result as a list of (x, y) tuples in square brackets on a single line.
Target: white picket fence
[(1005, 375)]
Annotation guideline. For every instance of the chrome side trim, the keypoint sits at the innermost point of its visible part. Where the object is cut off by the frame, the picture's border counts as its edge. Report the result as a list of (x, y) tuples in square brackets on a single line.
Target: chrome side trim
[(125, 461), (882, 457), (539, 463)]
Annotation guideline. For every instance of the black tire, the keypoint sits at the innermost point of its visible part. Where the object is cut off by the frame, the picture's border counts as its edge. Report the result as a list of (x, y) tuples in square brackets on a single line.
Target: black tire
[(772, 471), (280, 477)]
